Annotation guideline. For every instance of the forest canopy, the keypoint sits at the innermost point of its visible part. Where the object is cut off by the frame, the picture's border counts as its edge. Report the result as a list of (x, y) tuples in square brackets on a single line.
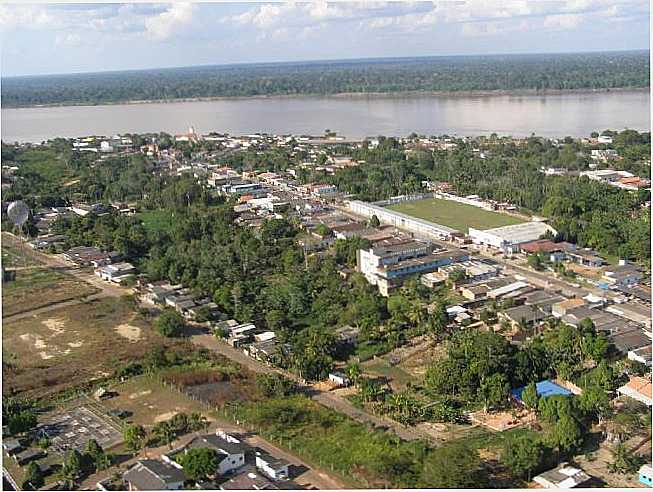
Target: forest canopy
[(424, 74)]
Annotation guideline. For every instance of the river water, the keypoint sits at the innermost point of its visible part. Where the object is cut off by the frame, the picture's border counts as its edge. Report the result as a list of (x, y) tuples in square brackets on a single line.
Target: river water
[(553, 115)]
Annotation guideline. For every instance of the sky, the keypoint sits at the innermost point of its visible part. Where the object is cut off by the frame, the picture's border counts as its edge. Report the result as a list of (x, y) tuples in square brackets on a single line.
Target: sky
[(75, 37)]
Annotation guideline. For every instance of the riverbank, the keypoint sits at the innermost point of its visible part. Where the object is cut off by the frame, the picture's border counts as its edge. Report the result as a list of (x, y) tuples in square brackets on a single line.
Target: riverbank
[(346, 95)]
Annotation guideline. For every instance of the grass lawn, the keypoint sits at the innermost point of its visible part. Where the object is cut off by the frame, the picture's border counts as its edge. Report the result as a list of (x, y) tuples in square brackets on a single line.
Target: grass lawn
[(397, 377), (64, 347), (156, 220), (453, 214), (37, 287)]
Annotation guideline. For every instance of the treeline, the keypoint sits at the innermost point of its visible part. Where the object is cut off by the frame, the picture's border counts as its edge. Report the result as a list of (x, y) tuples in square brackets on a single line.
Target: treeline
[(450, 74)]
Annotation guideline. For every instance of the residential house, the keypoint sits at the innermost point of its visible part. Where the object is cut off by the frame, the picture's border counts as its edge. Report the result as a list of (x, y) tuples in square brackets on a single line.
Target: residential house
[(561, 308), (518, 315), (154, 475), (636, 312), (641, 355), (28, 455), (248, 479), (646, 475), (230, 451), (626, 274), (638, 388), (562, 477), (273, 467), (340, 379), (116, 272)]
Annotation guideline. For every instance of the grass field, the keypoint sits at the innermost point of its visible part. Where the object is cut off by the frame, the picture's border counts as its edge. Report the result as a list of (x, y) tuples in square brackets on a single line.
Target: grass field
[(156, 220), (37, 287), (460, 216), (55, 350)]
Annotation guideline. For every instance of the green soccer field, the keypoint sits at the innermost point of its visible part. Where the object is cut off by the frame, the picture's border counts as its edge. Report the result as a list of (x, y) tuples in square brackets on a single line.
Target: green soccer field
[(453, 214)]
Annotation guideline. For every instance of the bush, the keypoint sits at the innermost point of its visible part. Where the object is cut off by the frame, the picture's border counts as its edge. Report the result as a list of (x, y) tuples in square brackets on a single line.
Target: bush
[(170, 323)]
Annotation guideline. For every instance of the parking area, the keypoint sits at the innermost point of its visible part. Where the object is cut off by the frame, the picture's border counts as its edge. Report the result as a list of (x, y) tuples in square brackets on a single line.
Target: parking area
[(73, 428)]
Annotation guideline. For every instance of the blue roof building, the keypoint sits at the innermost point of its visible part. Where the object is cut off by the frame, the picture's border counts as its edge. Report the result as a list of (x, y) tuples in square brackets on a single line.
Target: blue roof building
[(544, 388)]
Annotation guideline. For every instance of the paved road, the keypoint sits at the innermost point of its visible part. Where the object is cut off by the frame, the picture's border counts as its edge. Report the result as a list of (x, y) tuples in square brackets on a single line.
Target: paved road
[(325, 398)]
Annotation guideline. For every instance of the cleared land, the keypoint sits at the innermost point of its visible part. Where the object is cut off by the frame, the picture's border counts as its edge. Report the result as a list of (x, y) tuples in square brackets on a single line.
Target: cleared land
[(63, 347), (453, 214), (38, 287)]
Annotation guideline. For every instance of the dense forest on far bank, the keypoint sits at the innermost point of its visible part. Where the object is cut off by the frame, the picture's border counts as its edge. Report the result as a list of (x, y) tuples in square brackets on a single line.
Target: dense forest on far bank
[(551, 72)]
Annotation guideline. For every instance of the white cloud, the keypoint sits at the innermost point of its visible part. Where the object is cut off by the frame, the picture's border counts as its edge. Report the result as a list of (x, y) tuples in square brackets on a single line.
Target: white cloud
[(30, 16), (163, 25), (68, 39)]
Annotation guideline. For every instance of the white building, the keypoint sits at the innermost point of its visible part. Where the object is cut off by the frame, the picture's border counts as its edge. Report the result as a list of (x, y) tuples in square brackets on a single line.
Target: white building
[(508, 238), (275, 468)]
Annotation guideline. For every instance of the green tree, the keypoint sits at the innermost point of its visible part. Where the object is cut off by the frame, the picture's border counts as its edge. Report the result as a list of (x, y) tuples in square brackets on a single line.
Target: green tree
[(134, 436), (523, 455), (494, 391), (170, 323), (624, 461), (529, 396), (72, 468), (199, 463), (374, 221), (453, 466), (165, 432), (33, 477)]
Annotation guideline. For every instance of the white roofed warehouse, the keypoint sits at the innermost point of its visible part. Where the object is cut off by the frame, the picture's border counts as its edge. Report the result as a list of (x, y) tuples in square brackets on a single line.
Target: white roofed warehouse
[(508, 238)]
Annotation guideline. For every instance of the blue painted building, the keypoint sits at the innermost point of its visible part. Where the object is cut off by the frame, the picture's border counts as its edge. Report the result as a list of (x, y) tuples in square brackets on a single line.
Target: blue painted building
[(544, 388)]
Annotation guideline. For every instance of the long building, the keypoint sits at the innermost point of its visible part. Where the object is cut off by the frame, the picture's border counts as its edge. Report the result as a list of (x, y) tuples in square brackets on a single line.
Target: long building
[(420, 227), (508, 238)]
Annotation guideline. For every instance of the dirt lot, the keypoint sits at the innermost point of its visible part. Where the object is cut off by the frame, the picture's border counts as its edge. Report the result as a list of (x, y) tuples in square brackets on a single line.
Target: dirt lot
[(149, 401), (63, 347), (37, 287), (15, 254)]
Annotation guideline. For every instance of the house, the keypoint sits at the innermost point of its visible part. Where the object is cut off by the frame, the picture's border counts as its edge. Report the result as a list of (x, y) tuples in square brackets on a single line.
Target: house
[(28, 455), (517, 315), (116, 272), (248, 479), (639, 313), (275, 468), (230, 451), (641, 355), (264, 351), (646, 475), (561, 308), (12, 446), (154, 475), (339, 379), (638, 388), (626, 274), (542, 299), (562, 477), (347, 335), (544, 389), (584, 257)]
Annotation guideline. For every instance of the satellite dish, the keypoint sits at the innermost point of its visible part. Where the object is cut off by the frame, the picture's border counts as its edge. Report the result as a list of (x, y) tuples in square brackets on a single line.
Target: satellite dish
[(18, 212)]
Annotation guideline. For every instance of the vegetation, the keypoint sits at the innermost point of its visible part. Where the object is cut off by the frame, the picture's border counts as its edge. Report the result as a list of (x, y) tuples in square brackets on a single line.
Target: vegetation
[(170, 323), (468, 73), (372, 458), (459, 216)]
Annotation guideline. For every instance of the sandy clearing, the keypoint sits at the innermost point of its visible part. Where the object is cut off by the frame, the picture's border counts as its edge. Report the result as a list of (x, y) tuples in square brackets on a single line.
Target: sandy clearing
[(138, 394), (75, 344), (131, 333), (164, 416), (55, 325)]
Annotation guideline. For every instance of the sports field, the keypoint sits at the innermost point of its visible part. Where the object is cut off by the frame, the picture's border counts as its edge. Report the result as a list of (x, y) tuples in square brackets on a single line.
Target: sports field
[(453, 214)]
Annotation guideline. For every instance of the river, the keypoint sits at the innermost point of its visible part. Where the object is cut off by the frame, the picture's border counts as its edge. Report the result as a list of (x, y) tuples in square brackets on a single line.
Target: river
[(551, 115)]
